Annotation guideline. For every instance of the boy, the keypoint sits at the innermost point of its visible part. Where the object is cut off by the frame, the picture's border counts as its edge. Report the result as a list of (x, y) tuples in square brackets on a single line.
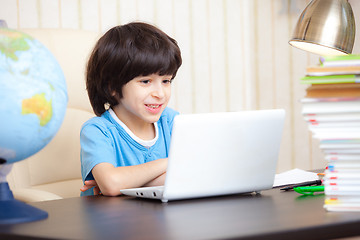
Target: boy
[(128, 80)]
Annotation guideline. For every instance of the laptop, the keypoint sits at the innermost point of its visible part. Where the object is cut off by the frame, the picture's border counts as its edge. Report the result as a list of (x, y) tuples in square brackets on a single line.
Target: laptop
[(213, 154)]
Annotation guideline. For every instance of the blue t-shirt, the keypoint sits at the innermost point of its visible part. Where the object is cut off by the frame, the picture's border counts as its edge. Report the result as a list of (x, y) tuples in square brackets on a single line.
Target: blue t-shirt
[(103, 139)]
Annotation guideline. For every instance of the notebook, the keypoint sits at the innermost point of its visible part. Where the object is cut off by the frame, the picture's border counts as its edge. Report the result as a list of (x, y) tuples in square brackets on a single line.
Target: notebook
[(213, 154)]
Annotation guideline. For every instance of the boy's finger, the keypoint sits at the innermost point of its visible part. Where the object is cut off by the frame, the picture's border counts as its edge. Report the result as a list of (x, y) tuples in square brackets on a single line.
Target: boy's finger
[(90, 183)]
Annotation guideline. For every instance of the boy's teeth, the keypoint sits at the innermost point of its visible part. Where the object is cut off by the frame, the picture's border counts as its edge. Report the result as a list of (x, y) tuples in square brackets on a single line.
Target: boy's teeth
[(153, 106)]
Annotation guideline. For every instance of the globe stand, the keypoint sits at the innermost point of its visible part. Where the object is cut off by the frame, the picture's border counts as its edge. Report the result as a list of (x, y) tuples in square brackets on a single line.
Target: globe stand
[(11, 210)]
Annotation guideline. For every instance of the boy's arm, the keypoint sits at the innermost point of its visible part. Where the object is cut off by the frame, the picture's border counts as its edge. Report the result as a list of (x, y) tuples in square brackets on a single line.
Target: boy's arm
[(159, 181), (111, 179)]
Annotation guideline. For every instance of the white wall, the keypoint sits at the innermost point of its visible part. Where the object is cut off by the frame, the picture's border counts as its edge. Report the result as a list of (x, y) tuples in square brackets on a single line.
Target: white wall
[(236, 54)]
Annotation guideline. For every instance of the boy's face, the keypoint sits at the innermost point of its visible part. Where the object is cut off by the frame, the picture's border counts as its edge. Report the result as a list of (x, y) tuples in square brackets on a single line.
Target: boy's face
[(144, 99)]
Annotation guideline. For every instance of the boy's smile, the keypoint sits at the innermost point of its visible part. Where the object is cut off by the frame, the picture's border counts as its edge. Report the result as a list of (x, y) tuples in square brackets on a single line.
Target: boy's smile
[(154, 108), (144, 99)]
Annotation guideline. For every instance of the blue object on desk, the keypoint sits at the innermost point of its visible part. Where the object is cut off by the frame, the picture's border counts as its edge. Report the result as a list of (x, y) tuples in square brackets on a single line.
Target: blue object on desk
[(13, 211)]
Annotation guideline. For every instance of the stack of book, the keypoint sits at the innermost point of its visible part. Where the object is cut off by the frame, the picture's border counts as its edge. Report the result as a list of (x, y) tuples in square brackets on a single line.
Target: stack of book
[(331, 108)]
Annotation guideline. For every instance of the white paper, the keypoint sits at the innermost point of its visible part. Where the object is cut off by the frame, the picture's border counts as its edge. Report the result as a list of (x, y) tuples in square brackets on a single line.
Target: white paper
[(294, 176)]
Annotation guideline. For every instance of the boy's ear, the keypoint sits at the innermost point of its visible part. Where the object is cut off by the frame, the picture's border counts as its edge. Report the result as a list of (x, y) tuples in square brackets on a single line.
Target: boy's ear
[(115, 95)]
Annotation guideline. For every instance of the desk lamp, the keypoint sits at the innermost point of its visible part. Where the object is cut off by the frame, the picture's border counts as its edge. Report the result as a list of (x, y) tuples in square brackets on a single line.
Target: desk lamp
[(325, 27)]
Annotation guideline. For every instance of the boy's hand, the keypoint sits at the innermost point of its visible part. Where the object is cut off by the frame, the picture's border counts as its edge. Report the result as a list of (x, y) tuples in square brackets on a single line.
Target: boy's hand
[(90, 184)]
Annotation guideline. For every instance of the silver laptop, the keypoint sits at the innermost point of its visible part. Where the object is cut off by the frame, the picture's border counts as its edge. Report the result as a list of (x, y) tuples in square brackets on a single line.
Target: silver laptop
[(215, 154)]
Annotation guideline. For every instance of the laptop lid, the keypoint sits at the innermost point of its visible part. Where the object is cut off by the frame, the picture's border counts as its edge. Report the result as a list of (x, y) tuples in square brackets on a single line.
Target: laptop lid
[(223, 153)]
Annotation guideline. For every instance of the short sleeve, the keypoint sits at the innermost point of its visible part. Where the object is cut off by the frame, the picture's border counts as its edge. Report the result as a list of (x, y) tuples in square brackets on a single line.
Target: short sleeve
[(96, 147)]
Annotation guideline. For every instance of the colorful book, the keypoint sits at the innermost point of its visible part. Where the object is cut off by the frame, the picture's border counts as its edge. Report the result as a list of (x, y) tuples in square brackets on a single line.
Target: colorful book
[(326, 71), (344, 60), (337, 182), (343, 157), (349, 78), (319, 118), (330, 100), (339, 146), (350, 135), (330, 174), (336, 178), (330, 125), (342, 208), (347, 131), (338, 200), (342, 203), (342, 190), (341, 151), (333, 135), (344, 164), (330, 105), (342, 174), (333, 90), (341, 141), (334, 86)]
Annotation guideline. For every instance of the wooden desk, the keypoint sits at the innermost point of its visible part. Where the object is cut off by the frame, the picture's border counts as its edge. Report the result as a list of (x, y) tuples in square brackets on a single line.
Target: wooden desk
[(271, 215)]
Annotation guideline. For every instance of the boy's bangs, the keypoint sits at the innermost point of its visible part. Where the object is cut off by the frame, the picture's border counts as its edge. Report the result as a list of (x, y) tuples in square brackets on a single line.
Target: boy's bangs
[(160, 62)]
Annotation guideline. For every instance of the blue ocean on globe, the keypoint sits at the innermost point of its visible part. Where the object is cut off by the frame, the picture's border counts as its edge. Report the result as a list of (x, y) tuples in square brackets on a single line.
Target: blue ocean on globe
[(33, 96)]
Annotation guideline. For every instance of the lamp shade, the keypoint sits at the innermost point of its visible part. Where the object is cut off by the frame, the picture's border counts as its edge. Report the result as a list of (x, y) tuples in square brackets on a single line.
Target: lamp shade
[(325, 27)]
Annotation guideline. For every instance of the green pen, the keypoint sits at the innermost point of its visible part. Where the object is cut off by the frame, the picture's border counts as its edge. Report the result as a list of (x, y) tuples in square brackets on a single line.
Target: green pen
[(309, 190)]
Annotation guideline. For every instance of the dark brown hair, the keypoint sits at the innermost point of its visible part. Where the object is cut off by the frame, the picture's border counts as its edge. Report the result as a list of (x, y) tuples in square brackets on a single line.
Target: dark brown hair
[(123, 53)]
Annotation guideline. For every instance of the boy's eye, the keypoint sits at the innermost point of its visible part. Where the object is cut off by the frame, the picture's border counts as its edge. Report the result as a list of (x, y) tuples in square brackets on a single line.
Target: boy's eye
[(167, 81), (145, 81)]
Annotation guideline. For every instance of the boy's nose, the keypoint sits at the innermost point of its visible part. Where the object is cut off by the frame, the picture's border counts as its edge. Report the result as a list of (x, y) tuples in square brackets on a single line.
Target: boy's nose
[(158, 91)]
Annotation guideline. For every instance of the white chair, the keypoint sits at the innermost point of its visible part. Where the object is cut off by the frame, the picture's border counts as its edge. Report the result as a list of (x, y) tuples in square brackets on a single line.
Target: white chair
[(54, 172)]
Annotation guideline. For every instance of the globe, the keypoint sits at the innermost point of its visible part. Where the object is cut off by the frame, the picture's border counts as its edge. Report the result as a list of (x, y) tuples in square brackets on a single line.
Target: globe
[(33, 96)]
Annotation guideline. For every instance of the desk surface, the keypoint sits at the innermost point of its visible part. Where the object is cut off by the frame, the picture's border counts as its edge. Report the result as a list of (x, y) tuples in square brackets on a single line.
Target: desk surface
[(271, 215)]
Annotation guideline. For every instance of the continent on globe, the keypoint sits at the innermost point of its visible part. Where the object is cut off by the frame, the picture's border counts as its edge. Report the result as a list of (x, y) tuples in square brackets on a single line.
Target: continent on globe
[(14, 41), (38, 105)]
